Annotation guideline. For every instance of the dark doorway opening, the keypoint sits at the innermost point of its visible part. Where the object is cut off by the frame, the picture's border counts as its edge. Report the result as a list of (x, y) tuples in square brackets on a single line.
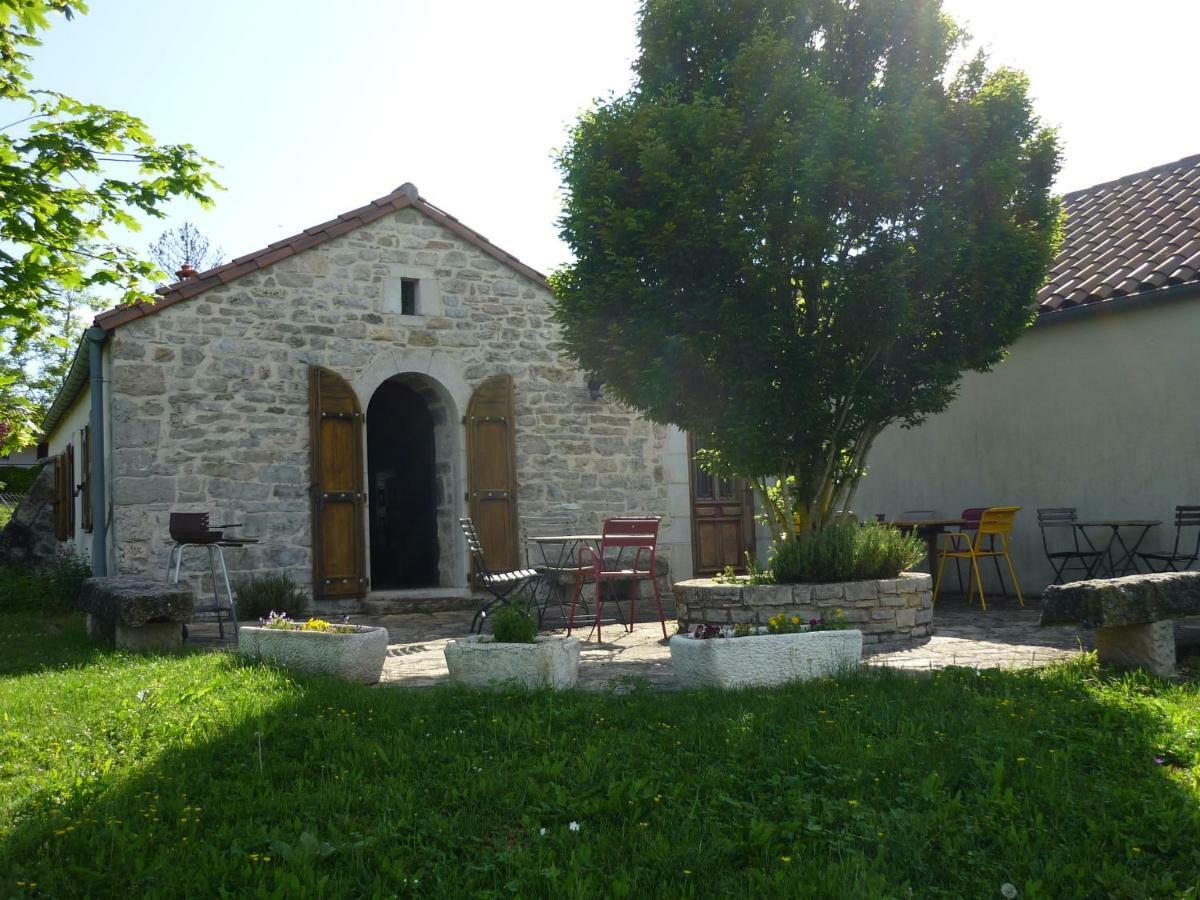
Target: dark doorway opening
[(402, 480)]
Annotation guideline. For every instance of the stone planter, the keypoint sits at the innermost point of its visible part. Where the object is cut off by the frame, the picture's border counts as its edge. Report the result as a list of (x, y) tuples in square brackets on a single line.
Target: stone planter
[(478, 661), (353, 656), (764, 659), (894, 609)]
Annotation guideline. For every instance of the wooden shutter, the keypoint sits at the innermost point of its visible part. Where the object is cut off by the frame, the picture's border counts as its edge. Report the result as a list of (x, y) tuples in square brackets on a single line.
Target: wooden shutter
[(85, 482), (62, 498), (492, 470), (64, 494), (339, 532)]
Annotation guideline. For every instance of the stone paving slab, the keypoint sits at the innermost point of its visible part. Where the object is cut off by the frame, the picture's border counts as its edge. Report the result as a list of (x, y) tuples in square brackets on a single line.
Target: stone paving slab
[(1004, 637)]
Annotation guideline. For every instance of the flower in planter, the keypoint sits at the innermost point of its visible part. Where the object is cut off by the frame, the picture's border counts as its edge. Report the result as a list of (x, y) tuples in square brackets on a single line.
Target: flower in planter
[(280, 622)]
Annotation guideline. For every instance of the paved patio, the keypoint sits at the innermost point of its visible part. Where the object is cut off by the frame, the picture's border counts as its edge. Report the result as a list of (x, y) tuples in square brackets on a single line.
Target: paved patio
[(1004, 637)]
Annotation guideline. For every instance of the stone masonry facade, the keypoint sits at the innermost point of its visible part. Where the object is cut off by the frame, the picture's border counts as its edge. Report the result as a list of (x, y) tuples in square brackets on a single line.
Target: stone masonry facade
[(899, 609), (209, 397)]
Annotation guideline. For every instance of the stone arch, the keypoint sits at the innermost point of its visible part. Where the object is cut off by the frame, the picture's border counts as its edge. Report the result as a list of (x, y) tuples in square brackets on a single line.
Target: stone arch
[(439, 382)]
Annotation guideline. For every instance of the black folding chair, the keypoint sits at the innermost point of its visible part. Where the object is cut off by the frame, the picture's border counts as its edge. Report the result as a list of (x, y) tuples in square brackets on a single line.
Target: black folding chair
[(1082, 560), (1185, 517), (501, 585)]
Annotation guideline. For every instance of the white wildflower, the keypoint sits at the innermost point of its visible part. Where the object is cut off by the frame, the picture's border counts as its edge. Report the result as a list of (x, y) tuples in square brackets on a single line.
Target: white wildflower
[(1008, 890), (574, 826), (542, 832)]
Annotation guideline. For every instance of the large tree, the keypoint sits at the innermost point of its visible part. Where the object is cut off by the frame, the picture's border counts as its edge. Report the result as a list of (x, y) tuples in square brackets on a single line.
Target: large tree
[(800, 226), (70, 172)]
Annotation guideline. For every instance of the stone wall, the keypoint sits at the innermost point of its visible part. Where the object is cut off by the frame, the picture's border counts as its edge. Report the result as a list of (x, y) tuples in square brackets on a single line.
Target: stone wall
[(890, 610), (210, 396)]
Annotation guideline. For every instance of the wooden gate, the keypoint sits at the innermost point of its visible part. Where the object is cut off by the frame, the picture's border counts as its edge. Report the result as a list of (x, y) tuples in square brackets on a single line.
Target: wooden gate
[(338, 497), (722, 520), (492, 470)]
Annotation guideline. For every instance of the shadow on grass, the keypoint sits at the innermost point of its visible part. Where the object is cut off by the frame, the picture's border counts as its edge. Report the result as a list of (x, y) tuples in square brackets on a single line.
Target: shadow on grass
[(1056, 782)]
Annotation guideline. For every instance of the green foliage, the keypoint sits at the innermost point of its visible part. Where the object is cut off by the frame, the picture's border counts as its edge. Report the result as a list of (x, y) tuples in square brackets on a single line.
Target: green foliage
[(55, 590), (260, 595), (70, 172), (18, 479), (845, 551), (146, 775), (513, 624), (754, 575), (799, 227)]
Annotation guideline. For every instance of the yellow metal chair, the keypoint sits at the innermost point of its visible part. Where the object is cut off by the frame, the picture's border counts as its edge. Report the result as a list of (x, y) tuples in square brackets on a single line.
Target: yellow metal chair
[(990, 540)]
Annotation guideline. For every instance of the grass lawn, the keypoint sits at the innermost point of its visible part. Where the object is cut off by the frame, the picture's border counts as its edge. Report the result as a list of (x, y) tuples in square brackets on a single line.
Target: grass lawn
[(125, 775)]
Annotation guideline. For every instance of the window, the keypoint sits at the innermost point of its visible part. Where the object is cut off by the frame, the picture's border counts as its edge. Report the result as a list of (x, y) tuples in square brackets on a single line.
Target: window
[(85, 479), (408, 296)]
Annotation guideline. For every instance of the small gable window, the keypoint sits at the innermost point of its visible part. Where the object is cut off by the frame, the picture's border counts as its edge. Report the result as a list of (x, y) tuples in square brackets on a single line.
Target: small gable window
[(408, 296)]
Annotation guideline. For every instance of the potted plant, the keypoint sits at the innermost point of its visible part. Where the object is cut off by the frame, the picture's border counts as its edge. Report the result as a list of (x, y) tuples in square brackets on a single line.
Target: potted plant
[(514, 654), (351, 652), (788, 648), (856, 572)]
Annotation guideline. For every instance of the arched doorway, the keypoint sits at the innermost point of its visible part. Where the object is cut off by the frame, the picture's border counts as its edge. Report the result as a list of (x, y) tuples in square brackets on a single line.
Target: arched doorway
[(403, 484)]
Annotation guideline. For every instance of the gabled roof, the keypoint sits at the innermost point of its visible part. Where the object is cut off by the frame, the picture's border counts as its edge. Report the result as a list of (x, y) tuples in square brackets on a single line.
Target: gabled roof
[(1135, 235), (404, 196)]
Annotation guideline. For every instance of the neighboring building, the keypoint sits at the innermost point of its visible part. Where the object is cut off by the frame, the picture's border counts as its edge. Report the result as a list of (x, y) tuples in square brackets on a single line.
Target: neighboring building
[(25, 457), (1096, 406), (347, 394)]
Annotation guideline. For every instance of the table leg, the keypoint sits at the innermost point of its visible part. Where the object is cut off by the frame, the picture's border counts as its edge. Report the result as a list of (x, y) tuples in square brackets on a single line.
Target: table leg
[(1129, 560)]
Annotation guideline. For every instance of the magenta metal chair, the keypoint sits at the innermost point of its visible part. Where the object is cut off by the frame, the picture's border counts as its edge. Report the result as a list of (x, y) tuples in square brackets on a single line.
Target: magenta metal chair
[(637, 533)]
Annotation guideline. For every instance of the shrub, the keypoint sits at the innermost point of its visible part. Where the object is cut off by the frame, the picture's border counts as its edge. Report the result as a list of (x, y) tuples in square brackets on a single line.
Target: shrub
[(18, 479), (259, 596), (845, 551), (513, 625), (56, 589)]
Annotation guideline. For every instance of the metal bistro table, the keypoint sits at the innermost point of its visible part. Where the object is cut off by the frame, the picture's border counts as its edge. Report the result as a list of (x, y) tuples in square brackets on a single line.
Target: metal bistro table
[(1124, 564), (558, 567), (929, 529)]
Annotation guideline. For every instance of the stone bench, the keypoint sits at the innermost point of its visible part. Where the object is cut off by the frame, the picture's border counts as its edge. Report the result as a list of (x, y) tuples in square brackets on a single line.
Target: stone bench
[(133, 612), (1133, 617)]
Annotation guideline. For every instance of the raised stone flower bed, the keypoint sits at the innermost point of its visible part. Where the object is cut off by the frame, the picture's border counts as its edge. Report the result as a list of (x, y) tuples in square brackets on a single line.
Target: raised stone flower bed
[(355, 655), (479, 661), (895, 609), (764, 659)]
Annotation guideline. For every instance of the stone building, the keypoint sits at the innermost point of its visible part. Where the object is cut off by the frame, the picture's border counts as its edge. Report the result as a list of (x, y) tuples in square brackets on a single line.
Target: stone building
[(346, 394)]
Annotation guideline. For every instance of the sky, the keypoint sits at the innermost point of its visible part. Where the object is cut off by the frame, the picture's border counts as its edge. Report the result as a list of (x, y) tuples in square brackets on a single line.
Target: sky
[(311, 109)]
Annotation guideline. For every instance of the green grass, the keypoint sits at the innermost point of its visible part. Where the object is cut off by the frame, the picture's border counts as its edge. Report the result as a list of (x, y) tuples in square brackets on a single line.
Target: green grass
[(125, 775)]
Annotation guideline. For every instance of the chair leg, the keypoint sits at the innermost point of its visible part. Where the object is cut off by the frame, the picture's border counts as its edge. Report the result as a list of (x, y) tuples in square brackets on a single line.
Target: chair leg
[(937, 583), (1013, 573), (179, 562), (599, 607), (662, 618), (979, 582), (575, 599), (1000, 578), (633, 592)]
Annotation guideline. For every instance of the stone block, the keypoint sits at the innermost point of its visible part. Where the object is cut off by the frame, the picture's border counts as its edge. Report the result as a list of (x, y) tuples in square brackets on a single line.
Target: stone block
[(906, 618), (153, 636), (828, 592), (1149, 646), (861, 590), (1133, 600)]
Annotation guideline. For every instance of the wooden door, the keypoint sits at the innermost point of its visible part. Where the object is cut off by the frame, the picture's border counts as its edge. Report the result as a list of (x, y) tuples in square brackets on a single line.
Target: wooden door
[(338, 496), (492, 470), (722, 520)]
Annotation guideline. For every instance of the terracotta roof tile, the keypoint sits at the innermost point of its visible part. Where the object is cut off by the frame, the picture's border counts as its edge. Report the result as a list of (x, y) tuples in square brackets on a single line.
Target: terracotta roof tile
[(1136, 234), (404, 196)]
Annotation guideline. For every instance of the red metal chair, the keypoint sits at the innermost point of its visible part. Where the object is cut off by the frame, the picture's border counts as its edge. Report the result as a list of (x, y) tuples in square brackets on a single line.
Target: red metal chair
[(637, 533)]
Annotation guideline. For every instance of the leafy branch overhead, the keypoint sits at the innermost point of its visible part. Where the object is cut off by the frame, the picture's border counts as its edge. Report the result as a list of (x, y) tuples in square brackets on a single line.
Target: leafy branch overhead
[(69, 173), (799, 227)]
